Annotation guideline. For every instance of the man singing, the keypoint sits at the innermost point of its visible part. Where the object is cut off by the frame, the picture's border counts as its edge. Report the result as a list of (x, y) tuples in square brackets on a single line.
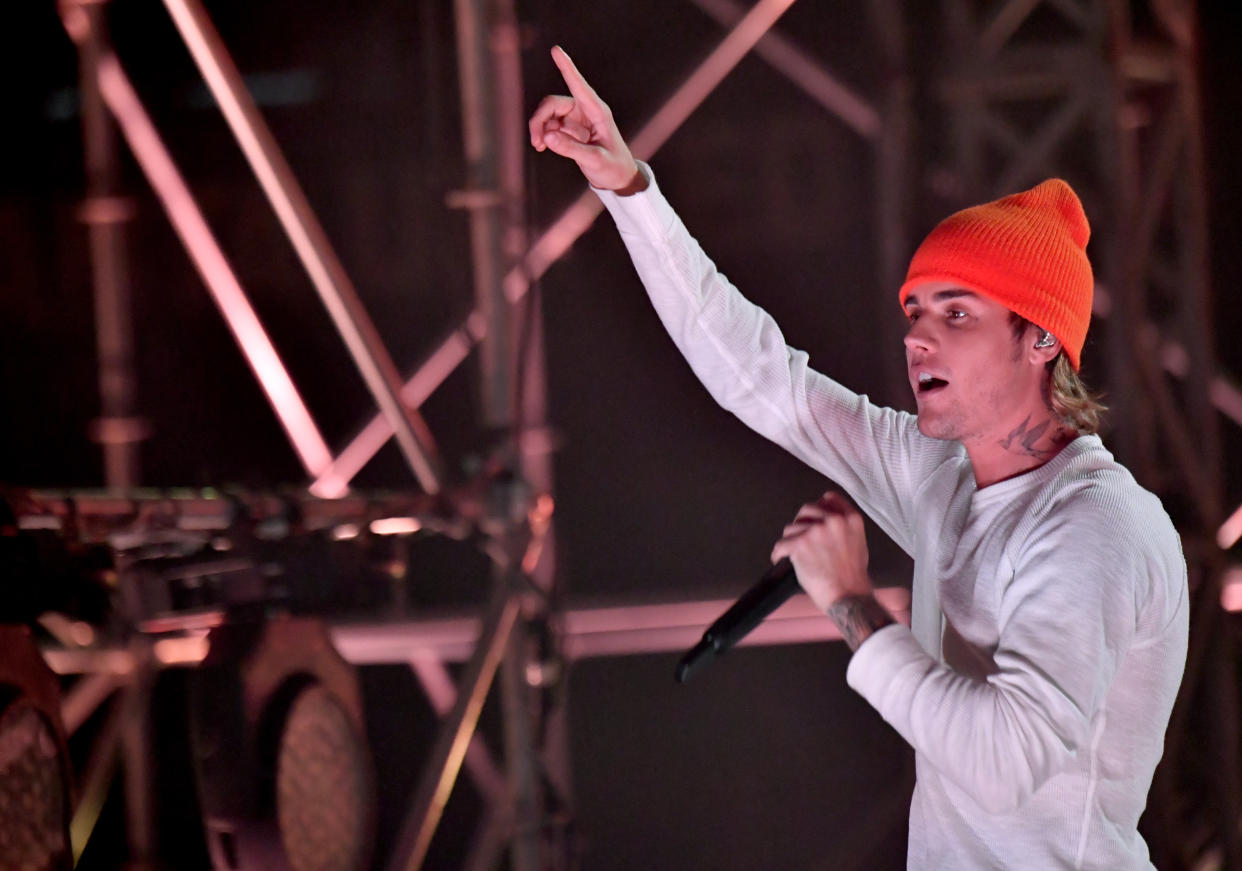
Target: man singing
[(1049, 612)]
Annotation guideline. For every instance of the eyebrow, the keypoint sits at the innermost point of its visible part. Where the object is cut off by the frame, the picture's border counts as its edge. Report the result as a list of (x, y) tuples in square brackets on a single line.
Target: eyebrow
[(940, 296)]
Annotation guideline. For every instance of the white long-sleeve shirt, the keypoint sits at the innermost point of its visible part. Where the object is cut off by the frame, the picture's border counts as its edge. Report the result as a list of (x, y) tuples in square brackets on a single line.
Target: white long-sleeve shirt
[(1049, 613)]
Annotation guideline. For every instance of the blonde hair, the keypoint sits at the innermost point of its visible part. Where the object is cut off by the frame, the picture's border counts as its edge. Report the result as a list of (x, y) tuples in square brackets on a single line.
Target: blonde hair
[(1070, 399), (1067, 396)]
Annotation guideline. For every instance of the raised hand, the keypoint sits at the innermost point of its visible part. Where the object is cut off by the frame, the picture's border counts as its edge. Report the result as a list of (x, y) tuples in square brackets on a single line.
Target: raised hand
[(581, 128)]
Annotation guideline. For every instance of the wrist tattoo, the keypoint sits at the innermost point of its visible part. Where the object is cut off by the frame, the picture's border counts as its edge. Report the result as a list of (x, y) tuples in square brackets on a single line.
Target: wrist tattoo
[(857, 617)]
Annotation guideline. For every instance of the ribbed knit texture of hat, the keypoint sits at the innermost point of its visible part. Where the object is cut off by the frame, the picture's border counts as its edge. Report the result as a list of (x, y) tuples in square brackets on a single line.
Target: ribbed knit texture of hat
[(1027, 251)]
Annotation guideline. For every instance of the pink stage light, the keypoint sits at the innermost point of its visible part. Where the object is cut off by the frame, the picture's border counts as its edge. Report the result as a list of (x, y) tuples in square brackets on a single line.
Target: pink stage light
[(1231, 589), (1230, 531)]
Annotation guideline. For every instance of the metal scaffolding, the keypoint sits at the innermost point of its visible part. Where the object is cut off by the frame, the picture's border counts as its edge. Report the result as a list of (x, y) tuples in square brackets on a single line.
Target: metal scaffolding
[(1105, 94), (1066, 87)]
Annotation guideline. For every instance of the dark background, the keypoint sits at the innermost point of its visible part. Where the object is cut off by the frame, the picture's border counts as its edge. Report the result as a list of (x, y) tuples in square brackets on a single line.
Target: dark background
[(768, 762)]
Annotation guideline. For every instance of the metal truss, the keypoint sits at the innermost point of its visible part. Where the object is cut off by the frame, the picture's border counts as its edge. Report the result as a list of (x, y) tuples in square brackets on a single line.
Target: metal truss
[(512, 394), (1032, 82), (1104, 93)]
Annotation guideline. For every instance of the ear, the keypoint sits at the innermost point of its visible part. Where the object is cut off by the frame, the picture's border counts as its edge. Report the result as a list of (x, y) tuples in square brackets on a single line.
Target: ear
[(1042, 346)]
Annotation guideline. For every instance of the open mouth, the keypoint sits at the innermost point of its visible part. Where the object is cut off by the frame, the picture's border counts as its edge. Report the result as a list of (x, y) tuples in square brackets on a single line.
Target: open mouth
[(928, 384)]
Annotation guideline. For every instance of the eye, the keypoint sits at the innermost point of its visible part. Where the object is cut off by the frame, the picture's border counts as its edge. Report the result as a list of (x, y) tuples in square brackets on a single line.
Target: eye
[(955, 314), (912, 316)]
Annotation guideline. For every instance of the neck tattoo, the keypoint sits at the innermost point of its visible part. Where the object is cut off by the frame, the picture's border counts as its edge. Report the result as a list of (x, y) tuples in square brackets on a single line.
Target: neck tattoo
[(1024, 439)]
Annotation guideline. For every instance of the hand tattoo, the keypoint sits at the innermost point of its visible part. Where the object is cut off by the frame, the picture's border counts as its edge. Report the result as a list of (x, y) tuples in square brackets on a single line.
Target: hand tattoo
[(857, 617)]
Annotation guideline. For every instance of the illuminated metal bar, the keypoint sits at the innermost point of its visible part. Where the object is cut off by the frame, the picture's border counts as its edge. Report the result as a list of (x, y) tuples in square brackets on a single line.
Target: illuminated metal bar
[(804, 71), (84, 697), (498, 816), (894, 174), (438, 685), (604, 631), (308, 238), (487, 205), (612, 630), (213, 267), (138, 754), (575, 220), (96, 779), (105, 213), (441, 770), (1131, 70), (333, 482)]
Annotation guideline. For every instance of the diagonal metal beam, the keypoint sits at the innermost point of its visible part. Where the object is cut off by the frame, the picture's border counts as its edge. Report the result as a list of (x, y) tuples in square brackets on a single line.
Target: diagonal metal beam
[(1039, 149), (438, 685), (96, 779), (1004, 24), (309, 240), (441, 770), (212, 266), (575, 220), (333, 481), (85, 697), (804, 71)]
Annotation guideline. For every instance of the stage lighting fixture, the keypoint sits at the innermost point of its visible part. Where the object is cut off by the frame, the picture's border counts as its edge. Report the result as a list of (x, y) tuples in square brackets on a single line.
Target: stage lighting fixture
[(35, 773), (284, 773)]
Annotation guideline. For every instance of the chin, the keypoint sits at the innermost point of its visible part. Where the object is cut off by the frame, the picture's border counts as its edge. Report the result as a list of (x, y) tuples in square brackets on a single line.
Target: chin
[(937, 429)]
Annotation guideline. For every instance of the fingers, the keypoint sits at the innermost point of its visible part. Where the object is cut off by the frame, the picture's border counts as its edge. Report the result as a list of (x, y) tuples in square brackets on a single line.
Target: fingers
[(830, 504), (566, 146), (573, 128), (556, 112), (836, 502), (578, 86), (550, 109)]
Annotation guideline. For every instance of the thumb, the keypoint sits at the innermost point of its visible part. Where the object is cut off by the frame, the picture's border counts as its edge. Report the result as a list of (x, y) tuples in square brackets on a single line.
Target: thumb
[(567, 146)]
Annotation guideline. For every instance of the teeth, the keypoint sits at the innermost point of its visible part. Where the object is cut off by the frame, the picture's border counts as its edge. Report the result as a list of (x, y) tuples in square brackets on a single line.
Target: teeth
[(924, 378)]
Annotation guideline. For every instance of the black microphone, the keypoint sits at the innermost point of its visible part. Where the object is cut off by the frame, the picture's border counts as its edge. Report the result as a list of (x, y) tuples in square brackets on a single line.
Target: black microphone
[(772, 591)]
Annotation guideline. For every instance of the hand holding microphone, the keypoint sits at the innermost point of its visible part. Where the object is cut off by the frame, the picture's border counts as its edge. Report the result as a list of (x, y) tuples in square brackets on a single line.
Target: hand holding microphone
[(827, 545), (823, 551)]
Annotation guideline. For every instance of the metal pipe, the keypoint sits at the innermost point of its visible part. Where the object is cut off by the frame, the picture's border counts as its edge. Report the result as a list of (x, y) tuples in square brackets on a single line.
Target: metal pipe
[(213, 267), (96, 780), (84, 698), (485, 202), (308, 238), (489, 840), (105, 213), (521, 754), (438, 685), (575, 220), (804, 71), (1038, 150), (333, 481), (136, 750), (894, 181), (530, 746), (1004, 24), (635, 628), (446, 758)]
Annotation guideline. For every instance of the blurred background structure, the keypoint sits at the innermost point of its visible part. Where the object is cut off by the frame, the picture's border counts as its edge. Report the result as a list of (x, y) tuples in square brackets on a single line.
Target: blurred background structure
[(356, 505)]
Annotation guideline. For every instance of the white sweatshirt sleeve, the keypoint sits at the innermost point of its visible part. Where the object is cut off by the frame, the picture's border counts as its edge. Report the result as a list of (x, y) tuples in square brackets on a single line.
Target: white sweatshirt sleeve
[(1067, 617), (736, 349)]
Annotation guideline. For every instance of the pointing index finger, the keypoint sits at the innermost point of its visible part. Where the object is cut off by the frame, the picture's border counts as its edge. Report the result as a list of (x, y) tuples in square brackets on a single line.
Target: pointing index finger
[(578, 86)]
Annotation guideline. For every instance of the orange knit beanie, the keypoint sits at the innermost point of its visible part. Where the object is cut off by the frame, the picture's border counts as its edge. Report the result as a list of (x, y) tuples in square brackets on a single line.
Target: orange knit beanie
[(1026, 251)]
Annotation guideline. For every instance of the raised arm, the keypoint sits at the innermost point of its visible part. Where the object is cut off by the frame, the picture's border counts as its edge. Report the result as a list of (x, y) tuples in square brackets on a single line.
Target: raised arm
[(581, 128), (734, 347)]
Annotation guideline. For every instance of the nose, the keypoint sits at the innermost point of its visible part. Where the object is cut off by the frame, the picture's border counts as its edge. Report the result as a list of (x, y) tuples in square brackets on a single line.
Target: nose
[(918, 337)]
